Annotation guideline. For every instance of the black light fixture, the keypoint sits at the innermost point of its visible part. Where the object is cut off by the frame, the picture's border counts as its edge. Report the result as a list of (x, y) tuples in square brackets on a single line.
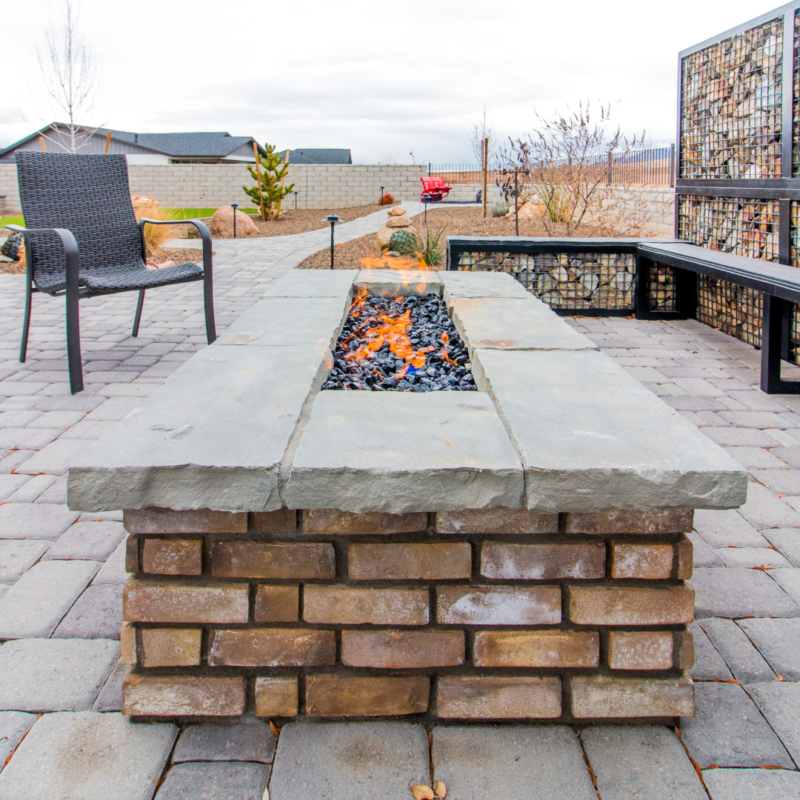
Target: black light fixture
[(425, 198), (381, 200), (295, 201), (234, 206), (332, 219)]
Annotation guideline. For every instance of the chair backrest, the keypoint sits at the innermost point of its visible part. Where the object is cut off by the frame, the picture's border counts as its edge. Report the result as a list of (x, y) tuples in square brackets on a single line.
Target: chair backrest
[(427, 183), (88, 195)]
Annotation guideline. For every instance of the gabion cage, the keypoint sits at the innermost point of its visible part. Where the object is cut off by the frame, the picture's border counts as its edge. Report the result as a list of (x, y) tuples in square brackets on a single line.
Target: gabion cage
[(602, 281), (731, 225), (661, 289), (731, 104), (735, 310)]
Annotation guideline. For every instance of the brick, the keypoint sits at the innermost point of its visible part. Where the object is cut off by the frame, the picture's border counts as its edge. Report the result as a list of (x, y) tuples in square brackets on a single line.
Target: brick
[(272, 647), (182, 696), (164, 520), (328, 521), (132, 554), (335, 696), (683, 649), (172, 556), (543, 561), (277, 697), (484, 698), (640, 650), (601, 697), (369, 562), (346, 605), (402, 649), (685, 553), (648, 561), (277, 604), (284, 561), (145, 601), (620, 520), (171, 647), (496, 520), (284, 519), (498, 605), (127, 644), (603, 605), (551, 648)]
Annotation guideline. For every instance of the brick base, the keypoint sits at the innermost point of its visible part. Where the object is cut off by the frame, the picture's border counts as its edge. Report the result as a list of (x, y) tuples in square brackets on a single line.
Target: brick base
[(485, 615)]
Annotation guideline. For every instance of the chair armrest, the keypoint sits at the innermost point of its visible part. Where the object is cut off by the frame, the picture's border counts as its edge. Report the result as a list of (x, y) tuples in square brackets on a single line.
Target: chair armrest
[(205, 234), (71, 251)]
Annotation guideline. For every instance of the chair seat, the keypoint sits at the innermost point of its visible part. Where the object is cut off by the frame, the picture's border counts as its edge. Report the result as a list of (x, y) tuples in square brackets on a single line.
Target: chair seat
[(122, 279)]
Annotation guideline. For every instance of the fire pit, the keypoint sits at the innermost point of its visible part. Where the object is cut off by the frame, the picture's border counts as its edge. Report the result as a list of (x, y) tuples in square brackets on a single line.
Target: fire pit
[(514, 551)]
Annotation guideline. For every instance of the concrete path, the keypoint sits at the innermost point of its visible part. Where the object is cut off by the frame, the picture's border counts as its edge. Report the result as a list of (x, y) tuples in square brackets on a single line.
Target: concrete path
[(61, 574)]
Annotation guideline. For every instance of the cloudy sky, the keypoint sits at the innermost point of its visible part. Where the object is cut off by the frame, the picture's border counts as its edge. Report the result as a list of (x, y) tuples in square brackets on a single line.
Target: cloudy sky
[(383, 78)]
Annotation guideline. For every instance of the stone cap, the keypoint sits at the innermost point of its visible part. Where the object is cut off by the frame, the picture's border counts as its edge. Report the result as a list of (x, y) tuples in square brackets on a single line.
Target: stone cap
[(556, 425), (398, 282)]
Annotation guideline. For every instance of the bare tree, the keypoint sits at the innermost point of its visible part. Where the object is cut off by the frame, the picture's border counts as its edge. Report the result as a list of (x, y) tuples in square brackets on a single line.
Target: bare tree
[(563, 164), (69, 75), (481, 130)]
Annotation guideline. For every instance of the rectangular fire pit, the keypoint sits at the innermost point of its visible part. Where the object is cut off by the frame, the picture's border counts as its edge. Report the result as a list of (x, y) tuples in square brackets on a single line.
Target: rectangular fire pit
[(515, 552)]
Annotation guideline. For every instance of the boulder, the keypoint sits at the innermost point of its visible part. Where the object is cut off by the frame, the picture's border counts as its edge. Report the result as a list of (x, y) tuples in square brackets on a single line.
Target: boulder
[(144, 206), (397, 211), (221, 224), (384, 235), (399, 222), (530, 210)]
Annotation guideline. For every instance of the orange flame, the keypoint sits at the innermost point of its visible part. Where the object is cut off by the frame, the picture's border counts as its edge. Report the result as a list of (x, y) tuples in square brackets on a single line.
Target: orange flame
[(394, 332), (443, 354), (393, 262)]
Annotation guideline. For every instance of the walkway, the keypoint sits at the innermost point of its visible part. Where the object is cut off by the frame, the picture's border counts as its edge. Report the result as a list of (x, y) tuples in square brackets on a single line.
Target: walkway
[(61, 576)]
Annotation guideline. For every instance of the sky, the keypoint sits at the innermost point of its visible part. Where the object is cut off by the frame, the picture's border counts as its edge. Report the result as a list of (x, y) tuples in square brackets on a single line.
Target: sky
[(385, 79)]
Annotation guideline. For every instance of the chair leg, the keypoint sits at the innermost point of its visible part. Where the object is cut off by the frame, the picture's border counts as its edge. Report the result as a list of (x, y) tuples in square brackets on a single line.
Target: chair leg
[(26, 324), (208, 300), (74, 342), (138, 318)]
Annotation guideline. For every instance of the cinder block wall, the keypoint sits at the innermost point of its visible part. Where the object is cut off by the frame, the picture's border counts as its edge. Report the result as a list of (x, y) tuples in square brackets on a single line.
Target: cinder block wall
[(485, 615), (214, 185)]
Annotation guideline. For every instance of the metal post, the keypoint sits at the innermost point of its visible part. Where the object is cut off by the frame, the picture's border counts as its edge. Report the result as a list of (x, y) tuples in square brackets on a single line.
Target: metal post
[(380, 202), (672, 166), (234, 206), (516, 203), (332, 219), (295, 201)]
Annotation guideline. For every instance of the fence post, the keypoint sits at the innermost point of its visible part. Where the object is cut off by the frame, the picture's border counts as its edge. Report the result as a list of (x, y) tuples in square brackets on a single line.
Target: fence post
[(485, 174), (672, 166), (610, 162)]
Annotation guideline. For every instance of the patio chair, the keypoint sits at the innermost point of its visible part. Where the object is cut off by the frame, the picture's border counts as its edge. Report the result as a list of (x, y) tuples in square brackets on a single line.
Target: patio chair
[(82, 240)]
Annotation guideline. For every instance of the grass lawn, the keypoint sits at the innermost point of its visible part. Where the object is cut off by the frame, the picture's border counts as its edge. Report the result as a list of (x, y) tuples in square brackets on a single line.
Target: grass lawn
[(11, 221), (193, 213)]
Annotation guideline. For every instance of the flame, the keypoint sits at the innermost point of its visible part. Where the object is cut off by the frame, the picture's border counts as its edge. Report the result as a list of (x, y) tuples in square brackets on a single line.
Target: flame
[(358, 304), (394, 262), (443, 354), (392, 331)]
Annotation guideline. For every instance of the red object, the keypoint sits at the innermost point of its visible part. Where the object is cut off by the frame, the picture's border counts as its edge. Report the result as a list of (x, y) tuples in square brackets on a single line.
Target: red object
[(387, 200), (435, 188)]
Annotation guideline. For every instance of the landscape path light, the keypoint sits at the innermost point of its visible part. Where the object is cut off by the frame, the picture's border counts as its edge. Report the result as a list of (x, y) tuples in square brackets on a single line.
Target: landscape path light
[(380, 202), (332, 219), (234, 206)]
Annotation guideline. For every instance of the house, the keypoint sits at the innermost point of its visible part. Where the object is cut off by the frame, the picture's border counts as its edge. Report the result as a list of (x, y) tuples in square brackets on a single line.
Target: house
[(315, 155), (144, 148)]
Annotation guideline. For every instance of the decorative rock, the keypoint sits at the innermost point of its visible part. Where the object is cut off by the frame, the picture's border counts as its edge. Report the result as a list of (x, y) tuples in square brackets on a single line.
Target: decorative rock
[(221, 224), (399, 222), (397, 211)]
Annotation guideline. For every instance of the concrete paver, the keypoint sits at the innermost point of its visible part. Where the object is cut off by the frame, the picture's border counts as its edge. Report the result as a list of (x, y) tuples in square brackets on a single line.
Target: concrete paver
[(223, 780), (487, 763), (740, 592), (380, 760), (13, 726), (778, 640), (96, 614), (39, 521), (88, 541), (243, 742), (779, 702), (88, 756), (752, 784), (642, 762), (53, 675), (744, 661), (19, 555)]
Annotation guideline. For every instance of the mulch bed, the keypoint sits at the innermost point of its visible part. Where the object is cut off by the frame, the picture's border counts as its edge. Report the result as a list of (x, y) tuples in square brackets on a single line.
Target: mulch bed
[(464, 221), (306, 219)]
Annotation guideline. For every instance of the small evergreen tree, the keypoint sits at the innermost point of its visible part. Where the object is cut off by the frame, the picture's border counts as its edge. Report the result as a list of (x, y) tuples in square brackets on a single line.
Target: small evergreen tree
[(270, 189)]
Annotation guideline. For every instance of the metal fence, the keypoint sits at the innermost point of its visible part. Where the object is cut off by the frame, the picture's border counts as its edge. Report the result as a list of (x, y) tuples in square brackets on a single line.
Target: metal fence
[(654, 167)]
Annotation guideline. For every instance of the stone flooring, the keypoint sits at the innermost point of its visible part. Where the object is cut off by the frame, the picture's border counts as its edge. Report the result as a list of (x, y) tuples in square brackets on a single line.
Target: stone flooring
[(61, 576)]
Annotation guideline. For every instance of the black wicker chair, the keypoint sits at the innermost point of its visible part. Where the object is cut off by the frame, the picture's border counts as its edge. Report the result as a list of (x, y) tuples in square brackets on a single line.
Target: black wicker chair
[(82, 240)]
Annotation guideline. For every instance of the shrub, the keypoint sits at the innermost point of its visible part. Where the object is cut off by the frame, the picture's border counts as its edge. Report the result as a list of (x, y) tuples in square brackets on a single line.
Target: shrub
[(499, 209), (430, 252), (387, 200), (270, 189), (156, 236)]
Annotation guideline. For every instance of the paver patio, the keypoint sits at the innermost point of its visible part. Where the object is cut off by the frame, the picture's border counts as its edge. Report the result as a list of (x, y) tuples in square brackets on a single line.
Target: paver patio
[(61, 574)]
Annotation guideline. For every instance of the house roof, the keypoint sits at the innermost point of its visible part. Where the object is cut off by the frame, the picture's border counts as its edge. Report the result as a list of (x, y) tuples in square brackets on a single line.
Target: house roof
[(202, 144), (317, 155)]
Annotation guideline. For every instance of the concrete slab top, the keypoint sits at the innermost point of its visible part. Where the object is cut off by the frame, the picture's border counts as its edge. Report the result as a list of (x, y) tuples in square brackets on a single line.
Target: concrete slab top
[(482, 284), (313, 283), (592, 437), (400, 452), (213, 436), (289, 321), (398, 282), (502, 323)]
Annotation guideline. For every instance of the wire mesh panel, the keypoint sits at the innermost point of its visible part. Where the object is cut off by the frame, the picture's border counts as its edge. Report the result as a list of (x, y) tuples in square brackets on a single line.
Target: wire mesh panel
[(661, 289), (796, 98), (733, 309), (602, 281), (731, 225), (731, 106)]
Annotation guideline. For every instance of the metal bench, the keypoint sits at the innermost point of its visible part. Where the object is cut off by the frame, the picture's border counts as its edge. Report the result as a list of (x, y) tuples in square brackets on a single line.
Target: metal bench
[(435, 188)]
